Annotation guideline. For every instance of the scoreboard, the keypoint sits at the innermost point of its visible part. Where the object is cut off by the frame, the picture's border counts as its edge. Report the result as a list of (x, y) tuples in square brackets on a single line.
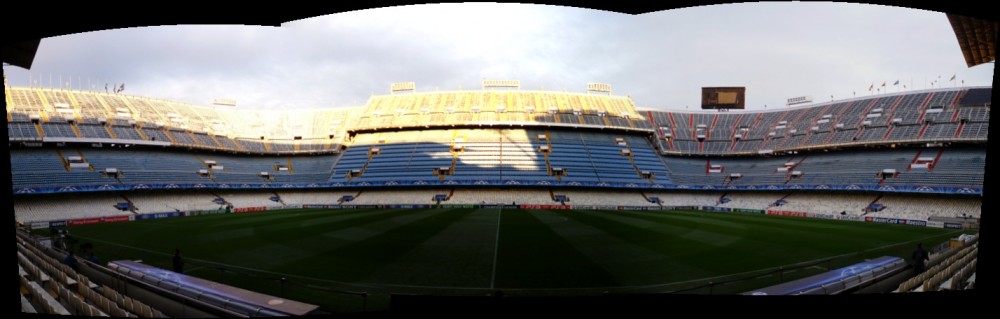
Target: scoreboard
[(713, 98)]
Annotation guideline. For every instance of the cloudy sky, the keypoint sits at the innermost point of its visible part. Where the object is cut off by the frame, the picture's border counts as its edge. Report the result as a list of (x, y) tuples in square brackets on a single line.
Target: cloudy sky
[(661, 59)]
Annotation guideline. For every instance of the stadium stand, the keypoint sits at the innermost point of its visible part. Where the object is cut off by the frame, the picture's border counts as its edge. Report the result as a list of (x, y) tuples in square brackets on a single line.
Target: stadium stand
[(917, 141), (492, 196), (952, 269), (394, 197), (918, 207), (64, 207), (750, 200), (602, 198), (50, 287), (851, 204), (686, 198)]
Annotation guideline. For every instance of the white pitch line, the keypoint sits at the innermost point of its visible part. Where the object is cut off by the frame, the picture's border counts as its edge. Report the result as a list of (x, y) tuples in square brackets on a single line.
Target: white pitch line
[(496, 249)]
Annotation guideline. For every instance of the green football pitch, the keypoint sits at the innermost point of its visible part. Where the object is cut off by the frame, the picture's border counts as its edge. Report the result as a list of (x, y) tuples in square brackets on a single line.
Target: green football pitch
[(346, 260)]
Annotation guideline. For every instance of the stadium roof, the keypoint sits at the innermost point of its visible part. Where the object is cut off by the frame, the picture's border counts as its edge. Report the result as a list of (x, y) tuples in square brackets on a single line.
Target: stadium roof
[(20, 53), (977, 38)]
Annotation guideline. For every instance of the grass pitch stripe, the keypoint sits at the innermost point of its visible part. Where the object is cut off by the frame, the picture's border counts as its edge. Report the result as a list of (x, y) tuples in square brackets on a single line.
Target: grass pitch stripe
[(496, 250)]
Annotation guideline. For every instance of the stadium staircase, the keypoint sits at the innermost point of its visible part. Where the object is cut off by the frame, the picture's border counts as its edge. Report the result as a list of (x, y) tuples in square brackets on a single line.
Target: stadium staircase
[(868, 108), (371, 155), (708, 168), (196, 141), (788, 174), (548, 143), (211, 174), (333, 168), (889, 131), (638, 172), (961, 125), (719, 200), (76, 130), (899, 99), (38, 128), (914, 161), (672, 131), (734, 129), (131, 204), (76, 106), (214, 140), (62, 158), (838, 119), (860, 133), (767, 138), (923, 128), (224, 201), (923, 106), (659, 131), (888, 120), (111, 132), (877, 198), (138, 129), (84, 158), (45, 104), (291, 170), (166, 132), (647, 199), (777, 200), (930, 168), (454, 155), (280, 200)]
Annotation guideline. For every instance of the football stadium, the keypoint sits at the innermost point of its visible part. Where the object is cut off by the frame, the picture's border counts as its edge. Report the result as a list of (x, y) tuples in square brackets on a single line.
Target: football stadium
[(493, 191)]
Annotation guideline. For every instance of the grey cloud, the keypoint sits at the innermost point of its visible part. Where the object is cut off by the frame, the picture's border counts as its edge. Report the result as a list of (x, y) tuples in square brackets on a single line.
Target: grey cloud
[(661, 59)]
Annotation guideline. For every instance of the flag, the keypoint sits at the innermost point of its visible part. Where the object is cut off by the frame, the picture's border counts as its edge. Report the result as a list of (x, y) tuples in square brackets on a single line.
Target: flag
[(953, 77), (122, 88), (883, 84), (897, 83), (872, 87)]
